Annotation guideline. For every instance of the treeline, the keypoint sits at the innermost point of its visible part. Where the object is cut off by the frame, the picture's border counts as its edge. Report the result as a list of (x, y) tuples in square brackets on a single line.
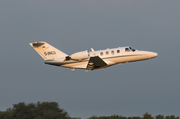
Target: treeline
[(51, 110), (44, 110), (145, 116)]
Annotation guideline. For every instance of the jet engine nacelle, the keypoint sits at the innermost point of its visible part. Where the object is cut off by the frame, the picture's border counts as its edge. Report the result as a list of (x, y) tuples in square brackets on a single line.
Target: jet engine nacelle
[(80, 55)]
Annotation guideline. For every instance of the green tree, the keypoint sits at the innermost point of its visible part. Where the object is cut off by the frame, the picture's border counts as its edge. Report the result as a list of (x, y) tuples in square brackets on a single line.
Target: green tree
[(159, 117), (108, 117), (6, 114), (22, 111), (51, 110), (171, 117), (147, 116), (134, 118), (45, 110)]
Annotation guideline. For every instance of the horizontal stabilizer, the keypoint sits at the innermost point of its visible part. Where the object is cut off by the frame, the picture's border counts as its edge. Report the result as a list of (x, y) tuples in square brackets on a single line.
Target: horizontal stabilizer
[(37, 44)]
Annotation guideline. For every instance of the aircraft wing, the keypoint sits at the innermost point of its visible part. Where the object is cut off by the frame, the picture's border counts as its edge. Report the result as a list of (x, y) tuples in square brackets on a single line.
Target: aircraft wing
[(95, 63)]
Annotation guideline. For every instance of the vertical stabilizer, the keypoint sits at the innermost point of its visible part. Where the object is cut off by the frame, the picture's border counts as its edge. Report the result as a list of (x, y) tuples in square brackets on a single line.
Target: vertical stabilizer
[(46, 51)]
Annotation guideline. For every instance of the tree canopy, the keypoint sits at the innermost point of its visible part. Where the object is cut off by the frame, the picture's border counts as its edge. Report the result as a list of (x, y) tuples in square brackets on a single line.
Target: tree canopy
[(145, 116), (51, 110), (44, 110)]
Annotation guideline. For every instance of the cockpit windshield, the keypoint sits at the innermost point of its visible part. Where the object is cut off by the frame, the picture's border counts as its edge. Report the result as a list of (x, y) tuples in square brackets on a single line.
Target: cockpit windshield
[(133, 49)]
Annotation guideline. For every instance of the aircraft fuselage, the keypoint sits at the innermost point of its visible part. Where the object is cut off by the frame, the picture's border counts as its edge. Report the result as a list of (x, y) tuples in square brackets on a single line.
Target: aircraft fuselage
[(109, 57)]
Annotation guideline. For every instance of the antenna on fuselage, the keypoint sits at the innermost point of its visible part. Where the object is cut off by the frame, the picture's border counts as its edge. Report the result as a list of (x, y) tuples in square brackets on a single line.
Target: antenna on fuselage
[(92, 49)]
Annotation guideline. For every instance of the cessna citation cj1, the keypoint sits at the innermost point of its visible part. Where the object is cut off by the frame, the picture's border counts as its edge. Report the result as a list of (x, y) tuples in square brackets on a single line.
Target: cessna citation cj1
[(90, 61)]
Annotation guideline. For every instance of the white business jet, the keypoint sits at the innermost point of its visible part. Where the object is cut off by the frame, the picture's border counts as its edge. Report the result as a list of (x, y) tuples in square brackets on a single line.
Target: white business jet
[(92, 60)]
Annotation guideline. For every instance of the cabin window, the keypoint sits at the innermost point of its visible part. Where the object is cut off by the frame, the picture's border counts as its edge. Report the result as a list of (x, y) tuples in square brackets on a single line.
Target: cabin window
[(112, 52), (118, 51), (127, 49), (101, 53), (107, 52)]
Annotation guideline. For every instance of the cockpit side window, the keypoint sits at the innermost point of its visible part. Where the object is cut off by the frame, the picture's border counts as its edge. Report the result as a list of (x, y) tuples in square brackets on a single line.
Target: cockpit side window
[(132, 49), (127, 49)]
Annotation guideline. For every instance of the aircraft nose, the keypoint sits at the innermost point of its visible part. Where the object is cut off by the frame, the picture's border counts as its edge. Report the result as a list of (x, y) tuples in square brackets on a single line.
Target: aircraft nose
[(152, 54)]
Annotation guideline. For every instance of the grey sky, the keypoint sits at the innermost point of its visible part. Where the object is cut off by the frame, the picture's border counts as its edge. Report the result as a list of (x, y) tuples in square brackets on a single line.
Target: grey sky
[(129, 89)]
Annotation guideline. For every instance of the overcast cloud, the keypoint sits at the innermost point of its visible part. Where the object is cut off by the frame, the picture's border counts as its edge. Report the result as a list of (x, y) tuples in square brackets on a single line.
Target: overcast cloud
[(129, 89)]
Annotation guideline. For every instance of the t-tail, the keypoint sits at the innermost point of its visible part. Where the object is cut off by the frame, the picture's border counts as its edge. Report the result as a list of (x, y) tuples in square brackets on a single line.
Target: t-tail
[(46, 51)]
